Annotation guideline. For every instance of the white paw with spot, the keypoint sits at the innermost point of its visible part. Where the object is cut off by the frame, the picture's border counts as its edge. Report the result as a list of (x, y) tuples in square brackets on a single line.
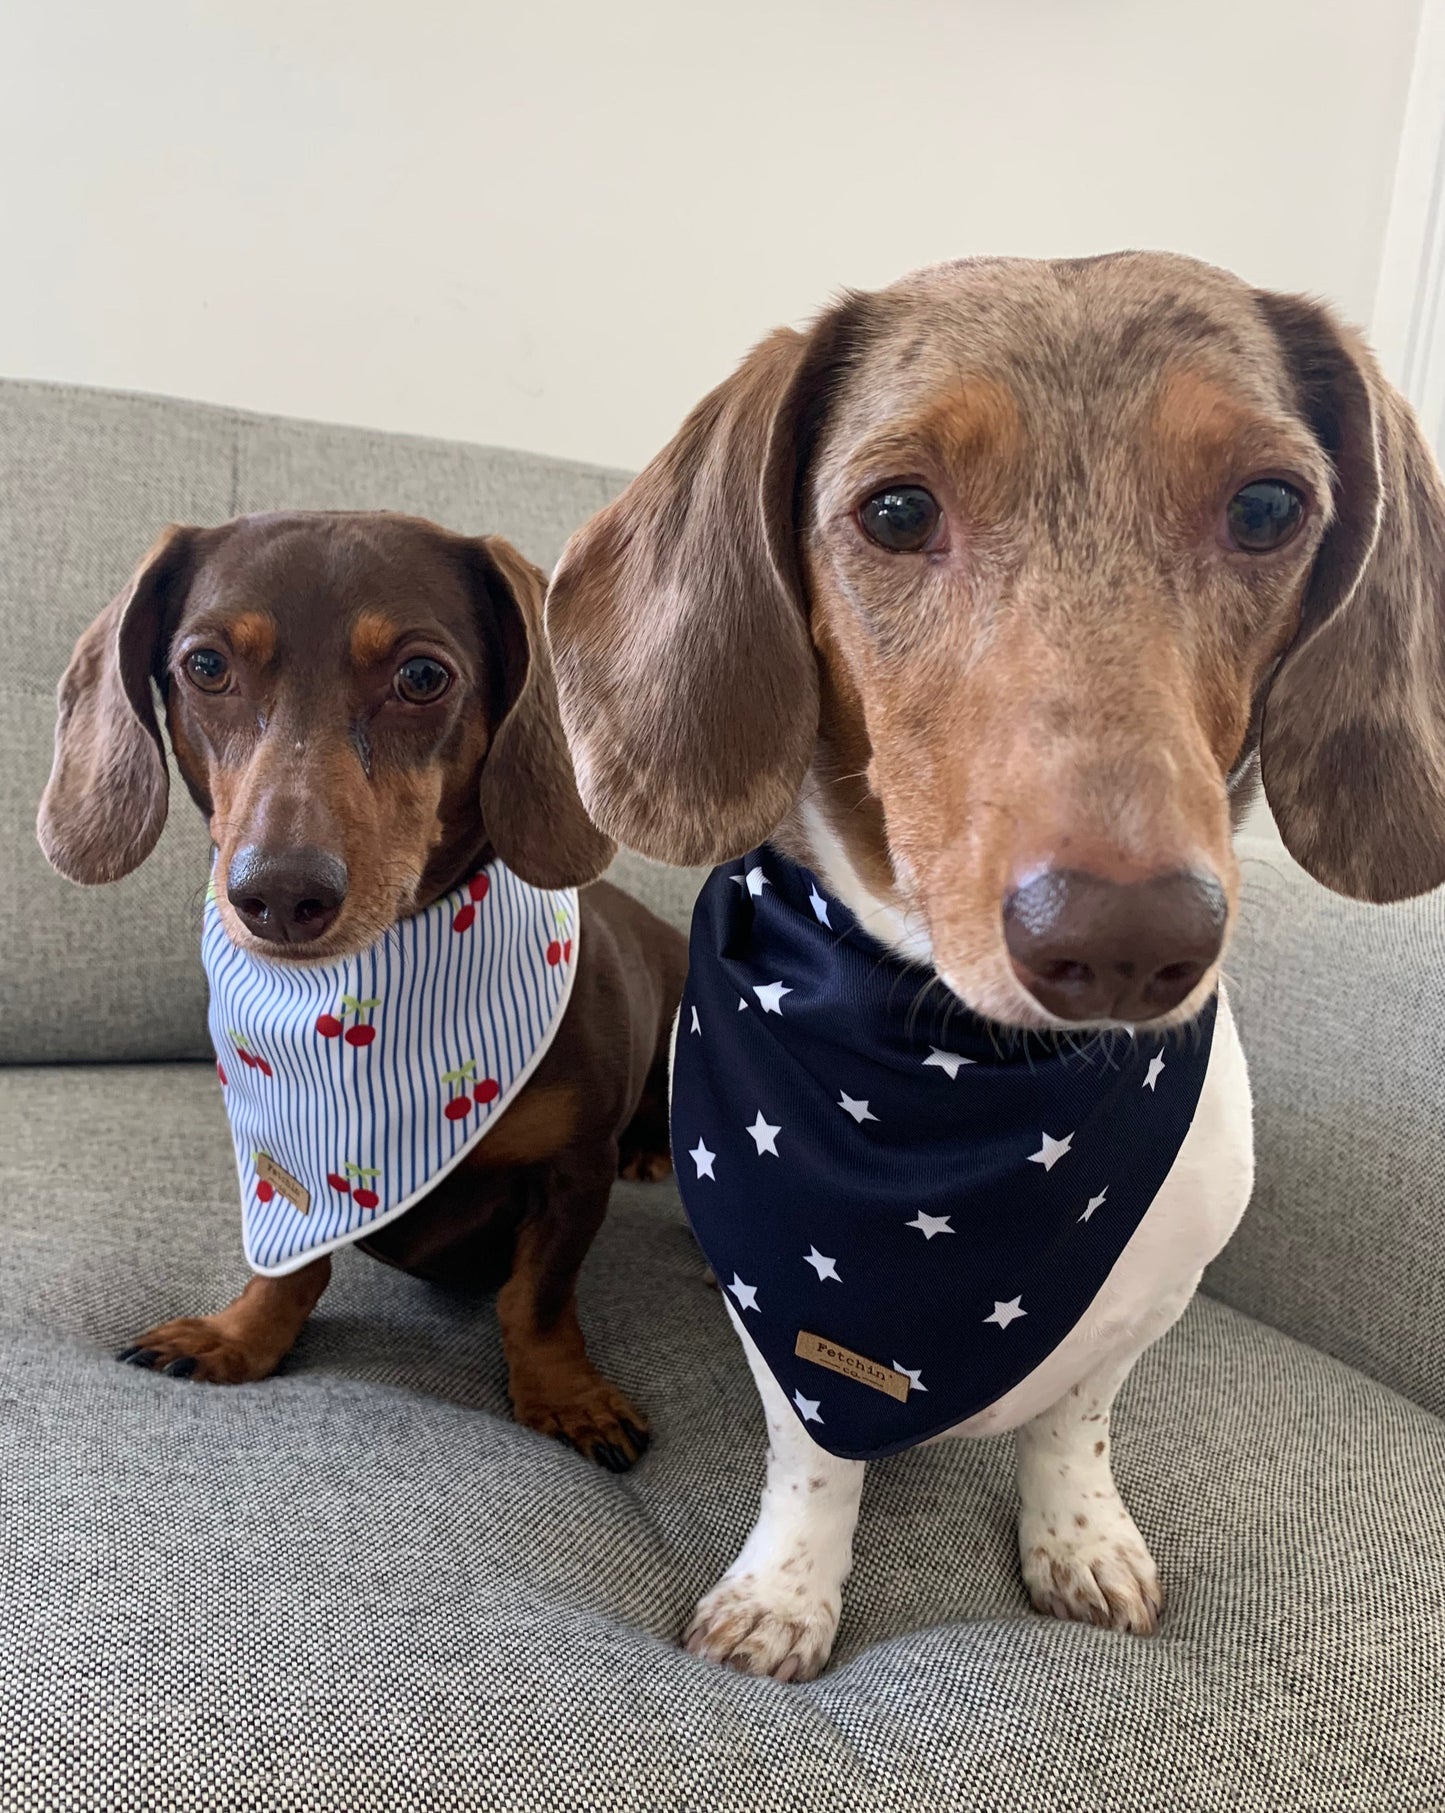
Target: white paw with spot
[(769, 1620), (1088, 1562)]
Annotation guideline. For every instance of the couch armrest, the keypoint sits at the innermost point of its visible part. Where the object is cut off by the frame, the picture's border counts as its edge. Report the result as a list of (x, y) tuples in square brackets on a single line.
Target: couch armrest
[(1341, 1008)]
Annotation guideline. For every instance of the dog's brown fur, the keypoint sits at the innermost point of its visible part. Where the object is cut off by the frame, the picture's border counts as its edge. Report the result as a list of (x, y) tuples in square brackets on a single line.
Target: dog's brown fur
[(310, 747), (1083, 672)]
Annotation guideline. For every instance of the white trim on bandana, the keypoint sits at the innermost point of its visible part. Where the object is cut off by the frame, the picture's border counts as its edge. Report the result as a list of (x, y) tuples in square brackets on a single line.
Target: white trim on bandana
[(345, 1080)]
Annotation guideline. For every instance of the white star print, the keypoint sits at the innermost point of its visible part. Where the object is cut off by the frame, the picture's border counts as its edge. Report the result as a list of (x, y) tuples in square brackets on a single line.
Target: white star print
[(742, 1005), (859, 1110), (1004, 1313), (1094, 1203), (765, 1138), (771, 995), (702, 1158), (914, 1375), (820, 907), (807, 1407), (823, 1266), (944, 1060), (696, 1027), (746, 1294), (1051, 1151), (1156, 1065), (754, 881), (929, 1225)]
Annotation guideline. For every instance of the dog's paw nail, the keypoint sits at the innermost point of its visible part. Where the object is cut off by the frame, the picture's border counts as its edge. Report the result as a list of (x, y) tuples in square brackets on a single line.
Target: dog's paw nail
[(141, 1356), (612, 1457), (181, 1368), (641, 1439), (127, 1354)]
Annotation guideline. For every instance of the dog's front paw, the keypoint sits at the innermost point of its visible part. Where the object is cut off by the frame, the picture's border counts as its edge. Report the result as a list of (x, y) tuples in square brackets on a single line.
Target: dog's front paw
[(1095, 1572), (761, 1623), (591, 1416), (194, 1347)]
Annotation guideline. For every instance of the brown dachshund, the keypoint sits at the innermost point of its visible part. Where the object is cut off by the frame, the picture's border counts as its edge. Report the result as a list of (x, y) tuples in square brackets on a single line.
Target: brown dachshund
[(361, 706), (988, 601)]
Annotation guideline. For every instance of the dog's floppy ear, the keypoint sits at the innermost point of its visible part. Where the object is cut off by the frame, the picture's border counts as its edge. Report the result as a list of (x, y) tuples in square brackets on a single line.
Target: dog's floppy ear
[(1352, 747), (678, 625), (529, 799), (104, 805)]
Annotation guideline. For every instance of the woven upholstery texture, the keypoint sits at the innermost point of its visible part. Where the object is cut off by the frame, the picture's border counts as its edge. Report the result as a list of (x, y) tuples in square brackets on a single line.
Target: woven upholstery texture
[(358, 1586)]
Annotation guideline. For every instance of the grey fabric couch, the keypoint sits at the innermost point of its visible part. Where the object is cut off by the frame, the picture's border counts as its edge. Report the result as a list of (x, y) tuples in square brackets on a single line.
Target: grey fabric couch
[(358, 1586)]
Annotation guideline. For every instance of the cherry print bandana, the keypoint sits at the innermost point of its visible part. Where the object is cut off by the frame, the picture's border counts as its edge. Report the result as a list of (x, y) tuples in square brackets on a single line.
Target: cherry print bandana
[(909, 1206), (353, 1087)]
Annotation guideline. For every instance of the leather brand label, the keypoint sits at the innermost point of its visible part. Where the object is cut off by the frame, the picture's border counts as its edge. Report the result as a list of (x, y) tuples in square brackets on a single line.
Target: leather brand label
[(852, 1365), (281, 1179)]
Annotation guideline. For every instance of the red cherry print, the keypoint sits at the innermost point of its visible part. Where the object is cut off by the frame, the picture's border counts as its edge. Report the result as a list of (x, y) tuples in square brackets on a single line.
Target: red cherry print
[(465, 918), (265, 1191), (338, 1182), (247, 1059), (567, 951), (263, 1067), (458, 1108), (360, 1035), (221, 1072), (366, 1199), (487, 1091), (328, 1026), (554, 952), (478, 887)]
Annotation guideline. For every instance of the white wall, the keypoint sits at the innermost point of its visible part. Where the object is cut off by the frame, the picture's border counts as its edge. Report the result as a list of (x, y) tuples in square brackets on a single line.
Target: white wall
[(1408, 319), (554, 223)]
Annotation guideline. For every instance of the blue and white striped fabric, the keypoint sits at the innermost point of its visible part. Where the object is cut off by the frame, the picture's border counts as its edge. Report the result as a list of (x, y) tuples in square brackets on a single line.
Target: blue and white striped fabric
[(353, 1087)]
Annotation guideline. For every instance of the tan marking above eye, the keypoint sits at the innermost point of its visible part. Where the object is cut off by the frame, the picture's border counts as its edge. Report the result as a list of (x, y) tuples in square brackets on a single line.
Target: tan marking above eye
[(253, 636), (1200, 436), (373, 636), (969, 432)]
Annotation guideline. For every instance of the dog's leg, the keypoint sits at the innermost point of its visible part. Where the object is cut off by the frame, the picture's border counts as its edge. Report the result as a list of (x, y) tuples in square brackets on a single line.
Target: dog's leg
[(246, 1340), (1082, 1554), (775, 1611), (645, 1143), (554, 1386)]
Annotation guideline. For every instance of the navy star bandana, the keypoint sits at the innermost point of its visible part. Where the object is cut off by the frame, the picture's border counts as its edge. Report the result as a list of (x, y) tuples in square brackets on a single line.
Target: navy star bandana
[(910, 1206)]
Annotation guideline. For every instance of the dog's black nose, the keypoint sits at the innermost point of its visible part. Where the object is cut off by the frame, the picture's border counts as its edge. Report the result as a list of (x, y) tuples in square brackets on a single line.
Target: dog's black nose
[(1089, 949), (286, 896)]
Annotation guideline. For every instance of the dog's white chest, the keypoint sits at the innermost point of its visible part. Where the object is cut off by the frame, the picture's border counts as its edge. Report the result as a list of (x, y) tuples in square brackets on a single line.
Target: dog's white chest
[(1188, 1224)]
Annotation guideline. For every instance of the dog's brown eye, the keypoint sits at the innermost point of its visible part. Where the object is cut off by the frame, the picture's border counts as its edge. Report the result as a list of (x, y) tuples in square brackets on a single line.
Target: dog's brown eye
[(902, 518), (421, 680), (1264, 515), (209, 669)]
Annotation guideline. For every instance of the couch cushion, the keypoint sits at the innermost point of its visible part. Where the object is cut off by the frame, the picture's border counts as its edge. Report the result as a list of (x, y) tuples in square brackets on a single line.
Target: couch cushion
[(358, 1586), (89, 478), (1341, 1009)]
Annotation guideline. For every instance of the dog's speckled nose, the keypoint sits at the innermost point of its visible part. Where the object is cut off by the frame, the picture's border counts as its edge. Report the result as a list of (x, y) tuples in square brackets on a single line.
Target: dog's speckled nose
[(286, 896)]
